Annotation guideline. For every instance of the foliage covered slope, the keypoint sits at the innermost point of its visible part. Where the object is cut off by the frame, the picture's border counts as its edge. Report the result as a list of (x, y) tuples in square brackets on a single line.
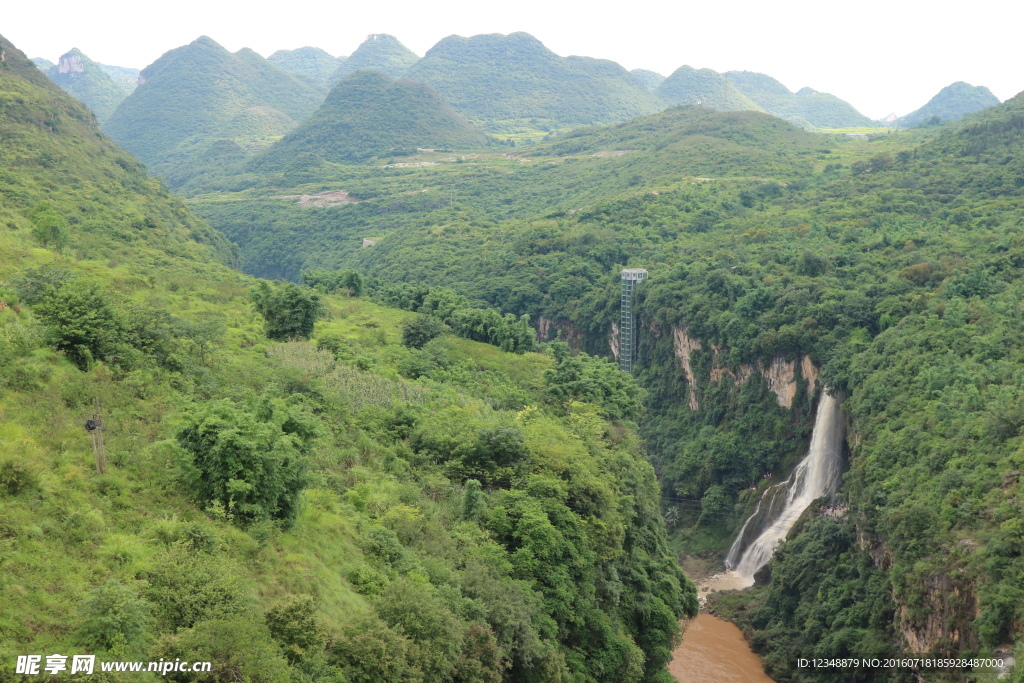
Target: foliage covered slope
[(199, 93), (285, 510), (952, 102), (89, 83), (380, 52), (895, 270), (415, 209), (706, 87), (819, 109), (502, 82), (307, 61), (366, 115)]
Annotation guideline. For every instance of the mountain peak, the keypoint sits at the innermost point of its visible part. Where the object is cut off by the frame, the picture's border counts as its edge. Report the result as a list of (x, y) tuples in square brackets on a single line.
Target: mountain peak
[(380, 51), (953, 102)]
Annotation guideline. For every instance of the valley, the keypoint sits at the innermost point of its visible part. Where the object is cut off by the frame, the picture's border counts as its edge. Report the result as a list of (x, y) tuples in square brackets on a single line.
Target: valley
[(353, 330)]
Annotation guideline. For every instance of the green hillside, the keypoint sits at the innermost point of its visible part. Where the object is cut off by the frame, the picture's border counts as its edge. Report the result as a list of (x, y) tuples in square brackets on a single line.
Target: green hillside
[(126, 77), (820, 110), (952, 102), (89, 83), (389, 500), (705, 87), (510, 83), (280, 236), (198, 93), (898, 276), (42, 63), (368, 114), (650, 79), (307, 61), (380, 52), (887, 270)]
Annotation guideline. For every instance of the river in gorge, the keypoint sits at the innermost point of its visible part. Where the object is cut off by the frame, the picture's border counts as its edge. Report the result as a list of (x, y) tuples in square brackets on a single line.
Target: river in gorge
[(712, 649)]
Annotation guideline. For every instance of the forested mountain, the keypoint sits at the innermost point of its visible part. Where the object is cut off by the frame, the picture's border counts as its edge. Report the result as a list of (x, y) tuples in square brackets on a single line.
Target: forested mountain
[(505, 82), (819, 109), (307, 61), (199, 93), (453, 499), (126, 77), (650, 79), (368, 114), (280, 238), (705, 87), (952, 102), (391, 502), (886, 271), (381, 52), (88, 82)]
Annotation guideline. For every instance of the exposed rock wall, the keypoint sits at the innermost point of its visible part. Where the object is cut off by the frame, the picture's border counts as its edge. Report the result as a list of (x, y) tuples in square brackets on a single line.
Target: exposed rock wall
[(548, 329), (780, 374), (613, 340), (684, 346), (70, 63)]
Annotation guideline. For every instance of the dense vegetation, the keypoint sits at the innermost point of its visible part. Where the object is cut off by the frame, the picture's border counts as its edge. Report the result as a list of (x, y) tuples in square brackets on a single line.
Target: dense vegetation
[(307, 61), (379, 52), (89, 83), (892, 266), (818, 109), (687, 85), (952, 102), (369, 115), (199, 93), (510, 83), (293, 510)]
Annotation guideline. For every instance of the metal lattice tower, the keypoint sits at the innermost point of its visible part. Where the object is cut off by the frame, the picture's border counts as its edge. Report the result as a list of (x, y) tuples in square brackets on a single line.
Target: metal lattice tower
[(627, 323)]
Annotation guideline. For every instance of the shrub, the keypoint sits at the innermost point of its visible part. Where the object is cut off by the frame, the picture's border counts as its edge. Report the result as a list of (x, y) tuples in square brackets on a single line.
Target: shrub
[(238, 648), (289, 311), (114, 615), (250, 461), (82, 323), (421, 329), (18, 477), (294, 625)]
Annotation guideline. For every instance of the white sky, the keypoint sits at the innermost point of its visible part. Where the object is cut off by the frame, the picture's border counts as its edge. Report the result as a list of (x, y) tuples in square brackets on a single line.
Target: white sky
[(882, 58)]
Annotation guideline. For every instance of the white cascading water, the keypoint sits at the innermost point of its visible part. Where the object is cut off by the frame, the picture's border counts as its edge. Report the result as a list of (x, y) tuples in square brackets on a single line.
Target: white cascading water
[(781, 505)]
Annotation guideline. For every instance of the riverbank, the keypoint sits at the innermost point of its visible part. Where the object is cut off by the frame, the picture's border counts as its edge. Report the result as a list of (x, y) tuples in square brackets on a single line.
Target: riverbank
[(714, 649)]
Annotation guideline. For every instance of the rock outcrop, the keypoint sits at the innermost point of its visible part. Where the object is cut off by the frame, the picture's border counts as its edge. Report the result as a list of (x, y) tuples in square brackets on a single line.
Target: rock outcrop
[(780, 373)]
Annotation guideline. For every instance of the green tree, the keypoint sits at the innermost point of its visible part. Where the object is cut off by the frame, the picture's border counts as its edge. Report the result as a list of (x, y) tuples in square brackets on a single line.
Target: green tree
[(289, 311), (250, 461), (83, 323), (594, 380), (294, 625), (113, 615), (421, 329), (48, 226)]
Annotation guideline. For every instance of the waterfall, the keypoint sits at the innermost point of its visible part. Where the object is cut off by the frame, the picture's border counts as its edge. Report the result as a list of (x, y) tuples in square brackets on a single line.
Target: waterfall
[(782, 504)]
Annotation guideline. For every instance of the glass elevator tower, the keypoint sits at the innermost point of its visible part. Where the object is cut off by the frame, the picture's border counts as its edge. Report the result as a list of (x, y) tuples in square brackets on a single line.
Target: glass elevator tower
[(627, 323)]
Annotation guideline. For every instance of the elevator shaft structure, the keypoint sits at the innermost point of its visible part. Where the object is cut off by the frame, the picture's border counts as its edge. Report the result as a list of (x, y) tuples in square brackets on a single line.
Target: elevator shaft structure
[(631, 277)]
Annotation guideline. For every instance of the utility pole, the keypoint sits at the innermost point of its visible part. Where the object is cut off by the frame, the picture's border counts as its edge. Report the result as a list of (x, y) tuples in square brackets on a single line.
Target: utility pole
[(95, 427)]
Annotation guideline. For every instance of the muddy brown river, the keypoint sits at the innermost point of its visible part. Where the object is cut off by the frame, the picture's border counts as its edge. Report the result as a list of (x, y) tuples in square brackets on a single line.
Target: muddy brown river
[(714, 651)]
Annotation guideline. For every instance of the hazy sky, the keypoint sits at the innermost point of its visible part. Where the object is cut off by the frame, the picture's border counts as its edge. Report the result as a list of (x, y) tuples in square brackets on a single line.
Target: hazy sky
[(881, 57)]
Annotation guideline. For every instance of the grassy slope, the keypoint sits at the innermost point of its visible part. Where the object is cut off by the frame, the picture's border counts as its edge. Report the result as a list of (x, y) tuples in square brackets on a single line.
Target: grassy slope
[(66, 530)]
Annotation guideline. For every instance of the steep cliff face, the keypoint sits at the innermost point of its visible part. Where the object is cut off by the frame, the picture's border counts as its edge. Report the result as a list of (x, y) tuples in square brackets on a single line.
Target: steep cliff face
[(941, 621), (684, 347), (549, 329), (780, 373), (70, 63)]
